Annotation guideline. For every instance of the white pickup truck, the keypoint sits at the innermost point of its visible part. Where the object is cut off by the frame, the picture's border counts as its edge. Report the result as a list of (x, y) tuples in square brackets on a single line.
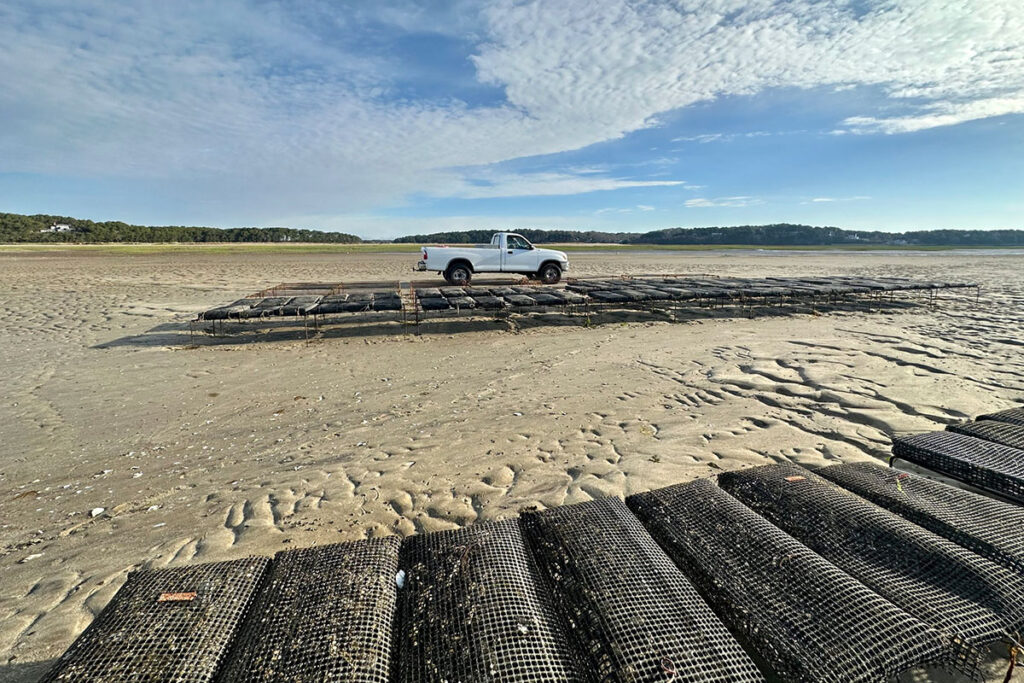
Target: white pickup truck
[(507, 253)]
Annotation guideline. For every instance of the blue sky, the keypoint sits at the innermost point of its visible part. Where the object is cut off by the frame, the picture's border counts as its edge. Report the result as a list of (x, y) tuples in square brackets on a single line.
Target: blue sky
[(395, 117)]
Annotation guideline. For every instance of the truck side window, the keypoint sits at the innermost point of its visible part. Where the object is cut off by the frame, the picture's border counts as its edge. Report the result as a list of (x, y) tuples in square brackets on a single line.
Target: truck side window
[(517, 242)]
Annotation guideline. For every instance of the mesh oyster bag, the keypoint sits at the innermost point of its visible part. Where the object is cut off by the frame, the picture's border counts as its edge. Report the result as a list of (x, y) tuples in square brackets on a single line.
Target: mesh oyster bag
[(473, 608), (987, 465), (807, 619), (1011, 415), (165, 625), (936, 580), (232, 310), (988, 527), (300, 305), (324, 613), (634, 613), (1006, 433), (434, 304)]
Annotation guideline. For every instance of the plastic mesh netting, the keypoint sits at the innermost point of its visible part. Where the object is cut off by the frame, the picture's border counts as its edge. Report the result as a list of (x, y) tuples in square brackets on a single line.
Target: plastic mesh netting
[(461, 302), (271, 305), (633, 294), (1006, 433), (494, 298), (573, 298), (807, 619), (387, 301), (435, 304), (605, 292), (546, 299), (608, 296), (655, 294), (520, 300), (1012, 415), (335, 303), (232, 310), (346, 305), (324, 614), (300, 305), (988, 527), (634, 612), (155, 629), (473, 609), (930, 577), (987, 465), (489, 302)]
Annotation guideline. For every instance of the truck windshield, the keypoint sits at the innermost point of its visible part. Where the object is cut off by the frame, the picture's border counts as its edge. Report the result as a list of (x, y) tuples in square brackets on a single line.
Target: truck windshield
[(517, 242)]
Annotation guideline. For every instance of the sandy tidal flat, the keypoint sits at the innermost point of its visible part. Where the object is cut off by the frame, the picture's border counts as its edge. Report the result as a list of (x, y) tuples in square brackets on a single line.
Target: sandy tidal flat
[(258, 443)]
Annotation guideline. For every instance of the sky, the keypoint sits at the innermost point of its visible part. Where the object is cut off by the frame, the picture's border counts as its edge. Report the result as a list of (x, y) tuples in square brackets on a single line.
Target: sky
[(395, 117)]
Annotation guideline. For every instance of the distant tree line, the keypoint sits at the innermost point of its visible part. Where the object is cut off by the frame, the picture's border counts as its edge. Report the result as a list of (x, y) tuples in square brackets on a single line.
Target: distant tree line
[(532, 234), (779, 234), (18, 228)]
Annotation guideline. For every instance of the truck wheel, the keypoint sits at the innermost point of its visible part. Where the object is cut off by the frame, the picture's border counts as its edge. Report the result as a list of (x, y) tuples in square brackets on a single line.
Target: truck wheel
[(550, 273), (458, 275)]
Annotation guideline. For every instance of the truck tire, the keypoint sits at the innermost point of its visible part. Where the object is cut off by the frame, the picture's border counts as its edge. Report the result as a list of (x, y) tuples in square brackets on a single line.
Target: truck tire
[(458, 274), (550, 273)]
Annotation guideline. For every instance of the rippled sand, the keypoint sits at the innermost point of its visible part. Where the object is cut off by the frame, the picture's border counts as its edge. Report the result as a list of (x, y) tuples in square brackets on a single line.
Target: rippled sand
[(261, 442)]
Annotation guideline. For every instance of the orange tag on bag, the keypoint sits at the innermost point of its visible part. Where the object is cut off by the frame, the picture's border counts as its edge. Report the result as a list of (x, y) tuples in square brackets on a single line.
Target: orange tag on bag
[(177, 597), (795, 478)]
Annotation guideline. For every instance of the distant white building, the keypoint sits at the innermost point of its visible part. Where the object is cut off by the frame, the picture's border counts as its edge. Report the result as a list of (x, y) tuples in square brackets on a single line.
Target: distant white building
[(58, 227)]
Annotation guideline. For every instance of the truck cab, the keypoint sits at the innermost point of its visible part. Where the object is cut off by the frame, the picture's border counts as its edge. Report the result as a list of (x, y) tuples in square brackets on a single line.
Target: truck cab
[(508, 252)]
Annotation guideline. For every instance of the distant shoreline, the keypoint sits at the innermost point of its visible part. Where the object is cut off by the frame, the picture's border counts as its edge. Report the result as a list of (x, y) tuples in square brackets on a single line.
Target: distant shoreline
[(147, 248)]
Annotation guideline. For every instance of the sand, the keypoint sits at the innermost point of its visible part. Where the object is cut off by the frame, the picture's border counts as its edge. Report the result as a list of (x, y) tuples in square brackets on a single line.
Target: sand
[(262, 442)]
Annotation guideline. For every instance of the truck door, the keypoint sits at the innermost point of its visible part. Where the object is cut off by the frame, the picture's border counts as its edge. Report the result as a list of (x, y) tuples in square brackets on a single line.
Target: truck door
[(518, 255)]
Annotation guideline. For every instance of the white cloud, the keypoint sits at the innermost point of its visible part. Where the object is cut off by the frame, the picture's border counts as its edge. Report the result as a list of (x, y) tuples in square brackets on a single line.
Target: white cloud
[(547, 184), (840, 199), (722, 137), (936, 115), (703, 139), (645, 207), (703, 202), (242, 107), (627, 62), (588, 170)]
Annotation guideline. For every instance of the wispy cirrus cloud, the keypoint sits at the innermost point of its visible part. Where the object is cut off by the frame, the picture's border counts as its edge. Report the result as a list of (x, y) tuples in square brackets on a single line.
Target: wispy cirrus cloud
[(722, 137), (705, 203), (936, 115), (856, 198), (548, 184), (624, 209)]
